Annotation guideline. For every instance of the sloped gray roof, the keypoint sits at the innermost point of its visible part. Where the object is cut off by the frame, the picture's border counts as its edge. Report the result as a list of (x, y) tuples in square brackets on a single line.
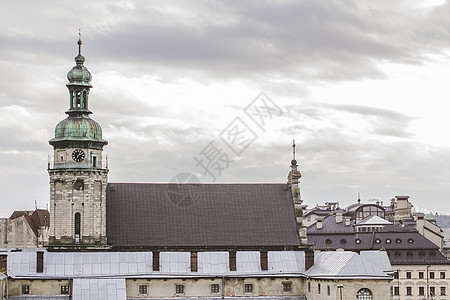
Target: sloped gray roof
[(329, 226), (233, 298), (404, 245), (137, 264), (343, 265), (379, 259), (39, 297), (196, 215)]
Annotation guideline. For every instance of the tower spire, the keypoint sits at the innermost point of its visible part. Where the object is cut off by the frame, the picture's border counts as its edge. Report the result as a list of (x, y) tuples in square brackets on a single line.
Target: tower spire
[(79, 42), (293, 149), (293, 181)]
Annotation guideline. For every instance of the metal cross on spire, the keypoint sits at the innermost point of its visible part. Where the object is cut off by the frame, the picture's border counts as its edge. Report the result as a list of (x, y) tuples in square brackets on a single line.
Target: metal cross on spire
[(79, 41), (293, 149)]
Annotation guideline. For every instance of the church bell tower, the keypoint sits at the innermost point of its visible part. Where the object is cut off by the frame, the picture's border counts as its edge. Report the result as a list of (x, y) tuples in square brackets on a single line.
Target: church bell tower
[(78, 171)]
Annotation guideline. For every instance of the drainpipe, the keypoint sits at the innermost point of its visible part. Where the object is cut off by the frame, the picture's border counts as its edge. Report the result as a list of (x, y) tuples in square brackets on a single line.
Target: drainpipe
[(70, 288), (223, 287), (428, 289)]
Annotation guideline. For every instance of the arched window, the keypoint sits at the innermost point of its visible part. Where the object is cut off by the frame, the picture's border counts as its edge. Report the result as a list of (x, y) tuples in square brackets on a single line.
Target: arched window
[(77, 227), (364, 294)]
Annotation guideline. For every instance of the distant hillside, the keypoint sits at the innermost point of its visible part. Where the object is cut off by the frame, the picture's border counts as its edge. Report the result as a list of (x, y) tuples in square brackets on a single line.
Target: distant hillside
[(443, 221)]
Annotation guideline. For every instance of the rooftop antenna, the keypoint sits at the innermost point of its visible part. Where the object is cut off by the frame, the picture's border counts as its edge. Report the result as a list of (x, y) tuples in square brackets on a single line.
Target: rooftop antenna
[(35, 204), (359, 198)]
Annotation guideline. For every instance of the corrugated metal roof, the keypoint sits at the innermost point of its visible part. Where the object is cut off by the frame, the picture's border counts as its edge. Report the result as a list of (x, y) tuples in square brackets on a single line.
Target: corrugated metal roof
[(38, 297), (377, 258), (343, 265), (104, 265), (188, 215), (233, 298)]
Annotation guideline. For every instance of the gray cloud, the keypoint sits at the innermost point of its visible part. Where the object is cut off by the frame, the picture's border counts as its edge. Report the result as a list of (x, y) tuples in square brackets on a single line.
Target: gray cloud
[(287, 48)]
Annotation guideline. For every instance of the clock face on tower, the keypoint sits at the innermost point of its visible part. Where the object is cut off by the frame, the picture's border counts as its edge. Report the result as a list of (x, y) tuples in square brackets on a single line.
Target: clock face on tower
[(78, 155)]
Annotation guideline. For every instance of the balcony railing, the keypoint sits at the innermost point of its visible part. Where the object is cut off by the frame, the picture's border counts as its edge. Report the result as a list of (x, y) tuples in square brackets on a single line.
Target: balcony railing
[(85, 164)]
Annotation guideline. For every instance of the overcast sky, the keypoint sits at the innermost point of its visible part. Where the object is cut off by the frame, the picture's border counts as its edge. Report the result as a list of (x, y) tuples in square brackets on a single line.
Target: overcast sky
[(362, 86)]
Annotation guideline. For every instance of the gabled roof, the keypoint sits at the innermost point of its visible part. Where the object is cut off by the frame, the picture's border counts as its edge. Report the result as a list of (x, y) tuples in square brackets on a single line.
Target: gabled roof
[(374, 220), (343, 265), (200, 215)]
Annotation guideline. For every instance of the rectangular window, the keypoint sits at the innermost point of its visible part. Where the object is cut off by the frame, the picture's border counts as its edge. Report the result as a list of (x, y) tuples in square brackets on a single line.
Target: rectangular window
[(179, 289), (396, 274), (25, 289), (421, 291), (318, 288), (442, 275), (408, 275), (309, 287), (396, 291), (215, 288), (64, 290), (443, 291), (143, 289), (432, 291), (408, 291), (287, 287), (431, 275), (248, 288), (328, 290), (420, 275)]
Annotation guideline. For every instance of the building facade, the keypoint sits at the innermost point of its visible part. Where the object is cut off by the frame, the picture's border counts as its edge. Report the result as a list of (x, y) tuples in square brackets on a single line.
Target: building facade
[(420, 269), (211, 275)]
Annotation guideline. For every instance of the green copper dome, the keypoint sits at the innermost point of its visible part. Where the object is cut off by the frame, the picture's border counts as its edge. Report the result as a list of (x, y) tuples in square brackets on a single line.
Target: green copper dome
[(81, 127), (78, 129)]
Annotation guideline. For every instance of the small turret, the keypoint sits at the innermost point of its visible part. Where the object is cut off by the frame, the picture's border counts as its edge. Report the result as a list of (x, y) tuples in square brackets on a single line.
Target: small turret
[(294, 176), (293, 181)]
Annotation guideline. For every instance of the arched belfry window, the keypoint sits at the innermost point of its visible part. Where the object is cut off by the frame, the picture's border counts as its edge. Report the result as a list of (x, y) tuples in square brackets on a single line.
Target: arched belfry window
[(84, 99), (364, 294), (77, 227)]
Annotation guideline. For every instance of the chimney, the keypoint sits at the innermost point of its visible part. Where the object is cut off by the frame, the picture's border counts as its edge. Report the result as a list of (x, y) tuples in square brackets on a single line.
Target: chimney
[(319, 224), (155, 260), (339, 216), (309, 259), (194, 261), (347, 221), (40, 262), (263, 260)]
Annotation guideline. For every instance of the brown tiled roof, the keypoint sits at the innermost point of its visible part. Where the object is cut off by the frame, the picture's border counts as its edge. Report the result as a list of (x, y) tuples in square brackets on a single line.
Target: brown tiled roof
[(200, 215), (41, 218)]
